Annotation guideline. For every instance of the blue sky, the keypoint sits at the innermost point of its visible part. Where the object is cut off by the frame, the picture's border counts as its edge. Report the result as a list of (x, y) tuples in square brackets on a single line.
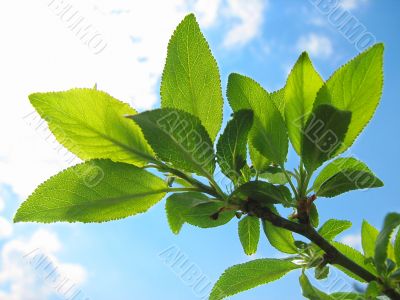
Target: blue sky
[(261, 39)]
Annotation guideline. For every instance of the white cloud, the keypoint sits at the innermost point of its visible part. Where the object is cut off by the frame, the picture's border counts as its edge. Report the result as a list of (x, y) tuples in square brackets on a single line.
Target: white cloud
[(6, 228), (352, 4), (249, 15), (30, 268), (43, 54), (353, 240), (318, 46)]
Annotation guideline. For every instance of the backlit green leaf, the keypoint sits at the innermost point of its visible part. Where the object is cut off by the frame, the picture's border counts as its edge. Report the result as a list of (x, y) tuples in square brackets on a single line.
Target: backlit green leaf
[(91, 124), (311, 292), (95, 191), (347, 296), (274, 175), (248, 275), (323, 134), (397, 248), (208, 215), (280, 238), (314, 215), (177, 206), (260, 191), (278, 97), (392, 220), (179, 138), (268, 134), (359, 176), (232, 145), (332, 228), (357, 87), (191, 80), (301, 90), (368, 238), (249, 234)]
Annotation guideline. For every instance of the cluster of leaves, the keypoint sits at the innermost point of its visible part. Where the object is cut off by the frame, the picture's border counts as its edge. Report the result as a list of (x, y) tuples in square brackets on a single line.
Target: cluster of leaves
[(321, 119)]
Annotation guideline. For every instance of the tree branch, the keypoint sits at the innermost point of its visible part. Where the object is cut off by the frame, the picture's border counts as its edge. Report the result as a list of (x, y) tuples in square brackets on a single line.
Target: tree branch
[(333, 255)]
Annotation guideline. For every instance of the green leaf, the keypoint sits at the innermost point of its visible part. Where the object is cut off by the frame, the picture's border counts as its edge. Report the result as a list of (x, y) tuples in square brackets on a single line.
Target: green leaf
[(268, 134), (278, 97), (332, 228), (179, 138), (311, 292), (373, 290), (274, 175), (280, 238), (91, 124), (355, 175), (259, 162), (347, 296), (323, 134), (263, 192), (357, 87), (202, 215), (368, 238), (392, 220), (249, 234), (95, 191), (355, 256), (177, 205), (246, 276), (321, 272), (348, 180), (397, 248), (191, 80), (301, 90), (232, 145), (314, 216)]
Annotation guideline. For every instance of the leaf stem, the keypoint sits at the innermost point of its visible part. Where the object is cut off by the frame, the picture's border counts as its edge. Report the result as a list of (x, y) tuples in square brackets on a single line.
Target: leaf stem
[(290, 181), (184, 189), (197, 184)]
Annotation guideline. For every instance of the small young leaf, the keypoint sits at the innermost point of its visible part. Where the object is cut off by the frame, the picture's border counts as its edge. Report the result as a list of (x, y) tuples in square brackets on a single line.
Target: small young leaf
[(260, 191), (314, 216), (332, 228), (323, 134), (301, 90), (357, 87), (368, 238), (259, 162), (359, 176), (95, 191), (321, 272), (397, 248), (179, 138), (91, 124), (280, 238), (355, 256), (392, 220), (268, 134), (177, 206), (373, 290), (249, 234), (248, 275), (190, 79), (311, 292), (274, 175), (232, 145)]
